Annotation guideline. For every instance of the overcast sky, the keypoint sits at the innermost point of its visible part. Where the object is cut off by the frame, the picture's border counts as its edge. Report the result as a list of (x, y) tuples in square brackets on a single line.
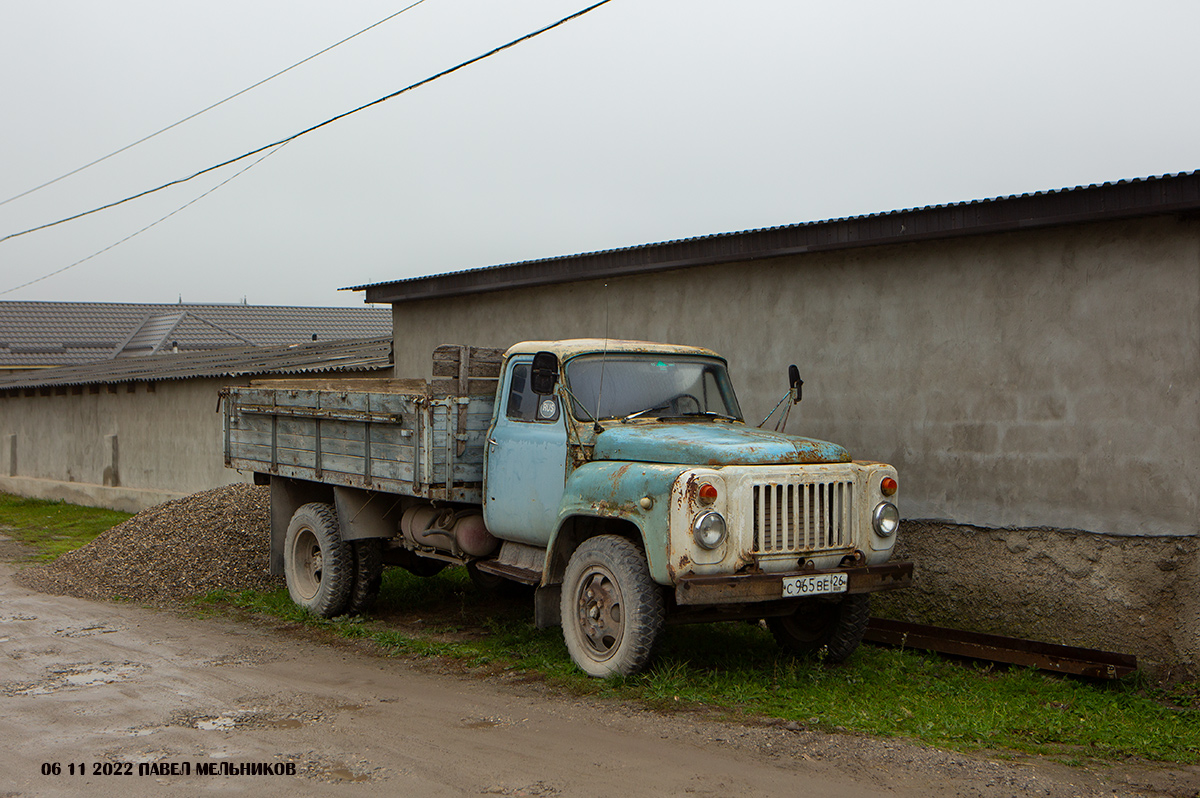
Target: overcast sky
[(643, 121)]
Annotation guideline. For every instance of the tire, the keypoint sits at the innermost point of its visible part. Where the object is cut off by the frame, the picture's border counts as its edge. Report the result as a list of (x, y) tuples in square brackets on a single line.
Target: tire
[(612, 611), (820, 627), (318, 564), (368, 575)]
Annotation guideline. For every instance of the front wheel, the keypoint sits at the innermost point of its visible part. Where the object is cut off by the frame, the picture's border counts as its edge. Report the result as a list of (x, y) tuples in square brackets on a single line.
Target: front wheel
[(318, 564), (820, 627), (612, 611)]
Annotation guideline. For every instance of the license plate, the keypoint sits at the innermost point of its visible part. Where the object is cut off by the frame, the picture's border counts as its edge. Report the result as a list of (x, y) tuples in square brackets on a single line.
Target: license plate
[(815, 585)]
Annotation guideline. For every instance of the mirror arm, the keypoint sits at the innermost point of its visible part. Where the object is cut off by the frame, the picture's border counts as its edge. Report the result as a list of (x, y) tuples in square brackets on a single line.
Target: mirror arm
[(782, 399)]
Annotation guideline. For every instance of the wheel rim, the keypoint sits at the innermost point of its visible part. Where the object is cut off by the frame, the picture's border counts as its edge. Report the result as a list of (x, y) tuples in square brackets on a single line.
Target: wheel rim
[(601, 612), (306, 551)]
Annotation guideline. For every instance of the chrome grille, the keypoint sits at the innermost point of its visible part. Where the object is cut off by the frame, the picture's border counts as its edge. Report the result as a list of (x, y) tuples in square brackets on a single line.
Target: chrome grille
[(802, 516)]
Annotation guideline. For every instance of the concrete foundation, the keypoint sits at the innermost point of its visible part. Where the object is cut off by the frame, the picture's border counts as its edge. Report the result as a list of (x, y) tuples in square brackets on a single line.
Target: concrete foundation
[(1116, 593), (87, 494)]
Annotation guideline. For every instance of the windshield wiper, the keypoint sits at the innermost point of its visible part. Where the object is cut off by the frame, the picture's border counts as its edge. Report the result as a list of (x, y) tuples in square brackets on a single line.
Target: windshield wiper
[(710, 414), (704, 413), (632, 416)]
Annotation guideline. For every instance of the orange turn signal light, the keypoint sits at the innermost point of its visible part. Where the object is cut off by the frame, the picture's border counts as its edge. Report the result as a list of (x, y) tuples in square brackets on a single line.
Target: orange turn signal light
[(708, 493), (888, 486)]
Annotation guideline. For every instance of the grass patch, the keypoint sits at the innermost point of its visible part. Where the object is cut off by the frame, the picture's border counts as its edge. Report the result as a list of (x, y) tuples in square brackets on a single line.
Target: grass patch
[(53, 528), (732, 669), (736, 670)]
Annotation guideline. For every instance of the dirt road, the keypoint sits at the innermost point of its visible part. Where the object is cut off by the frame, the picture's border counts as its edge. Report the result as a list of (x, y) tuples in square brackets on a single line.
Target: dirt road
[(159, 698)]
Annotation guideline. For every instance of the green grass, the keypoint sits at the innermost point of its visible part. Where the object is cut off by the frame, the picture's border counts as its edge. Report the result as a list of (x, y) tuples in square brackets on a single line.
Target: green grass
[(733, 670), (736, 671), (53, 528)]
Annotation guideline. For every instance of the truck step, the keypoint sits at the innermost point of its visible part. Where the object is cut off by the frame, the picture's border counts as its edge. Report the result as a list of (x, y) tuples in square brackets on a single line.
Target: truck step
[(525, 575)]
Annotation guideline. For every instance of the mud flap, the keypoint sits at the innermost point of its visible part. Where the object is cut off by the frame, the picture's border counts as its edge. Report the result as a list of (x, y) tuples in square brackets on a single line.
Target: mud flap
[(546, 611)]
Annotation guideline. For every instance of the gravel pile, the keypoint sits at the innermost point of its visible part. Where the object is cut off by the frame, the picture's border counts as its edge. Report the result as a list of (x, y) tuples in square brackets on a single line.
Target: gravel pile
[(215, 539)]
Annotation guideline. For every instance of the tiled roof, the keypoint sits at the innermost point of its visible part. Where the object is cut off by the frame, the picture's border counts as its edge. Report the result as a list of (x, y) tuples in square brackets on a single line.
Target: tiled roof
[(40, 334), (355, 355)]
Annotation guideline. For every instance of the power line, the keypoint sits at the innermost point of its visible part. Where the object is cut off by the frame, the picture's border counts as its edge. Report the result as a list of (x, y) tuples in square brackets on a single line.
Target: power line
[(251, 165), (209, 108), (306, 131)]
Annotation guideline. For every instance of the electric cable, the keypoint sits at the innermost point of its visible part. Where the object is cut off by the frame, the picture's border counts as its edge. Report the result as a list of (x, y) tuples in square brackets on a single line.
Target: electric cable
[(209, 108), (249, 166), (318, 126)]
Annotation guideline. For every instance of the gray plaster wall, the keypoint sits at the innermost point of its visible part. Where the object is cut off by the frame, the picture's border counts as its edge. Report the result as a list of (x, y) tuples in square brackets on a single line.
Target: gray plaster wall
[(1040, 379), (122, 449), (1039, 393), (110, 446)]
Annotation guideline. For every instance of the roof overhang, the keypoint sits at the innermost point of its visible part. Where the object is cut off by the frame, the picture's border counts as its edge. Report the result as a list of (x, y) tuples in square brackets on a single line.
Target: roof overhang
[(1125, 199)]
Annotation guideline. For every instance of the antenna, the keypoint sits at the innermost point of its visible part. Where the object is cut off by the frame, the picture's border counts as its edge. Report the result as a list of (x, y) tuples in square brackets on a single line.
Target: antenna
[(603, 360)]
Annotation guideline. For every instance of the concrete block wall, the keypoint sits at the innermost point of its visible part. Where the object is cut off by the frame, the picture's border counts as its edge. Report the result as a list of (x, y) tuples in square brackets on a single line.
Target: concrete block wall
[(1046, 381), (1049, 378)]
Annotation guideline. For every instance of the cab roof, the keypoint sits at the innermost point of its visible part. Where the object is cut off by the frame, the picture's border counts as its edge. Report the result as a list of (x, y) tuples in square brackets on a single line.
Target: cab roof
[(571, 347)]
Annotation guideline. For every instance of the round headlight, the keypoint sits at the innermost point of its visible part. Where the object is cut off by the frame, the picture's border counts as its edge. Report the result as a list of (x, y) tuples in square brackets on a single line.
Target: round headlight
[(886, 519), (709, 529)]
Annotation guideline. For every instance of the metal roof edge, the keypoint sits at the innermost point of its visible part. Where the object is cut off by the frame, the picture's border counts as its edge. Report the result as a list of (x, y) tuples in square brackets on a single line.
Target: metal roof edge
[(352, 354), (1123, 199)]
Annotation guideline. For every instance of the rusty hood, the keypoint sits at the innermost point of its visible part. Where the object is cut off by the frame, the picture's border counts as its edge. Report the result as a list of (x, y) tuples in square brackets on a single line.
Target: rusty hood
[(711, 443)]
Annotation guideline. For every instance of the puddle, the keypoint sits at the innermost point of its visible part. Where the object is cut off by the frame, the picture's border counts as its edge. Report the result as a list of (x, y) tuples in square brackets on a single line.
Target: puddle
[(86, 631), (76, 676), (85, 678), (248, 719), (345, 774), (481, 724), (212, 724), (327, 769)]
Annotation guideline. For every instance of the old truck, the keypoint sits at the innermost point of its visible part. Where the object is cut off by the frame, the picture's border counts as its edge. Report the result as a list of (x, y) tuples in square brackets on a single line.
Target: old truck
[(618, 479)]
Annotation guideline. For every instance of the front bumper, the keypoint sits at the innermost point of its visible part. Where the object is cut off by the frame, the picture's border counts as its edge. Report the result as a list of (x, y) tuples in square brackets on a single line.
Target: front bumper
[(753, 588)]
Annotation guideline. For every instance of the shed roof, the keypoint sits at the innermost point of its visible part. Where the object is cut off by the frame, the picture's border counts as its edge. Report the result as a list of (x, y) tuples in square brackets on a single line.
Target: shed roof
[(41, 334), (1124, 199), (355, 355)]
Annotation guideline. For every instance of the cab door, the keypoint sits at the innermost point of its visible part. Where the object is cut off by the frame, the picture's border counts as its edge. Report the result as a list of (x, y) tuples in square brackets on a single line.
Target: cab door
[(525, 465)]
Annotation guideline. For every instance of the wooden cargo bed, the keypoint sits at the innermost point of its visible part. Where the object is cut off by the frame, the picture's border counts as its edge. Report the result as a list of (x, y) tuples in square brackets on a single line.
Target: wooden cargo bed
[(395, 436)]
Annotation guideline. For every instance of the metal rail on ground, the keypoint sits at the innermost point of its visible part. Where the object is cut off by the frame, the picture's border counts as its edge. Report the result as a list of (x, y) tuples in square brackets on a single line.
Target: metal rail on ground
[(995, 648)]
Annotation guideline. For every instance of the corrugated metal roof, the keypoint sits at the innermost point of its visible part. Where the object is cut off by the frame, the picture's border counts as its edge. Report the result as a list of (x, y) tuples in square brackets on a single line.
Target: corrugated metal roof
[(357, 355), (36, 334), (1120, 200)]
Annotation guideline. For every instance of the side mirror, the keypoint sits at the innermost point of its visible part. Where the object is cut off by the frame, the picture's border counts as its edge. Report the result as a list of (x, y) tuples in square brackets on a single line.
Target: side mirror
[(795, 384), (544, 373)]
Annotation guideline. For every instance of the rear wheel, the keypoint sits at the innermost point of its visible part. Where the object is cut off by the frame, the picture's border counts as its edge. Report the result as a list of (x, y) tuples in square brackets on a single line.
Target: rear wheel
[(368, 575), (612, 611), (821, 627), (318, 564)]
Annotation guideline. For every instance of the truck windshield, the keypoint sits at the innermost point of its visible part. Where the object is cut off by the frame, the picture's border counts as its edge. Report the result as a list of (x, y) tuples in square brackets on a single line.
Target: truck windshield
[(649, 386)]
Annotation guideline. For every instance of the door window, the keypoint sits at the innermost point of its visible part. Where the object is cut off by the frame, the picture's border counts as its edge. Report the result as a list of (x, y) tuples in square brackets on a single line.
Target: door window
[(523, 403)]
